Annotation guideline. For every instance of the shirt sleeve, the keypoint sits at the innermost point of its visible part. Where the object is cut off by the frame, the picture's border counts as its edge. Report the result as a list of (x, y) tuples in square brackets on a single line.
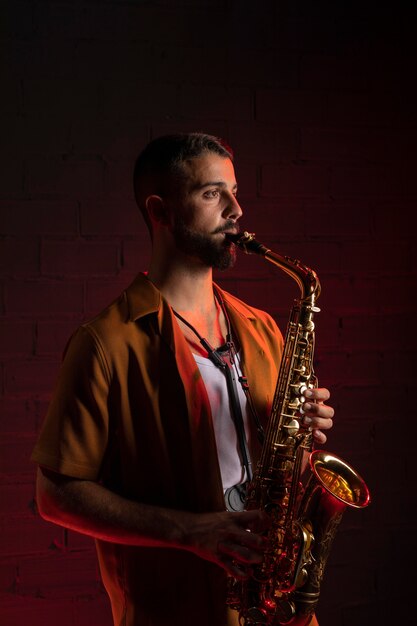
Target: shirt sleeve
[(74, 436)]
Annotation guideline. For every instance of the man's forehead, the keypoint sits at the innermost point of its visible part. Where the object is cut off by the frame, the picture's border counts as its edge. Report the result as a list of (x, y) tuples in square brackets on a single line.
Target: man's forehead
[(208, 168)]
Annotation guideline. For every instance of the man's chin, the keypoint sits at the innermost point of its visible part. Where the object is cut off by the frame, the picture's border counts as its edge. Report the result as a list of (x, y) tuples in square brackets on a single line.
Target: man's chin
[(213, 250), (226, 258)]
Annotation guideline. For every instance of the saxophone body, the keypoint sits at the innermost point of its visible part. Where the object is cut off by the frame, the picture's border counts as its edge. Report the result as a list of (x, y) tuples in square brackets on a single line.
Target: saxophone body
[(305, 511)]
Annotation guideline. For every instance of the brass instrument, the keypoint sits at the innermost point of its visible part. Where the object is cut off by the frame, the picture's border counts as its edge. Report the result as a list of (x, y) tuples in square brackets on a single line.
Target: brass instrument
[(285, 587)]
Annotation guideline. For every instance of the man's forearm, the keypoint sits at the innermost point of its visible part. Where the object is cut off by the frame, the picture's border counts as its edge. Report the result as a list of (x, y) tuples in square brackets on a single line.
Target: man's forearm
[(89, 508)]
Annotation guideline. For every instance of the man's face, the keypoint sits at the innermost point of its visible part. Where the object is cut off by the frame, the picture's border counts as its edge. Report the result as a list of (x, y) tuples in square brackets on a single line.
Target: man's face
[(206, 208)]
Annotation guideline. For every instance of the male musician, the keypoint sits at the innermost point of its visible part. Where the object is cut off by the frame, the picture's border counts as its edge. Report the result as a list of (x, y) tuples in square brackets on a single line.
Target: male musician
[(140, 440)]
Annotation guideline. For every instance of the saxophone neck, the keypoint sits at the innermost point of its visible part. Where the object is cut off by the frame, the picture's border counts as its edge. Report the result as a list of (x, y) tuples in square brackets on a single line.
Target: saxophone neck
[(305, 277)]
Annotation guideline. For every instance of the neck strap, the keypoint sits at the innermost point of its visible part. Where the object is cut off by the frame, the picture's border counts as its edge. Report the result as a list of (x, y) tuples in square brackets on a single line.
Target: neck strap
[(222, 358)]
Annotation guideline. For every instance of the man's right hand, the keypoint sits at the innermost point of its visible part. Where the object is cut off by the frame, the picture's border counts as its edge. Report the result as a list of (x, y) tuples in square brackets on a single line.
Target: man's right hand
[(232, 540)]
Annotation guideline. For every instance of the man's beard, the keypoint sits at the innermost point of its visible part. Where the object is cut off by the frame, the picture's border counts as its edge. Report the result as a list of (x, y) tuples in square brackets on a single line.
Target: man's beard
[(217, 253)]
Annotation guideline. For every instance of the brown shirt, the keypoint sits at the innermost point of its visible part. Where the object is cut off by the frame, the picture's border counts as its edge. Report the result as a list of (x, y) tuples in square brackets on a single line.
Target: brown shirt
[(131, 411)]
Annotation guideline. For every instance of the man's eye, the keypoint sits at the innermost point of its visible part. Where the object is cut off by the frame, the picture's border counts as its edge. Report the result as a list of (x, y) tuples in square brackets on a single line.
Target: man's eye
[(212, 193)]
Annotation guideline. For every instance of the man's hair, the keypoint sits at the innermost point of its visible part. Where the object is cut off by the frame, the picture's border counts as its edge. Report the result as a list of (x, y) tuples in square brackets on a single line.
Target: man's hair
[(160, 164)]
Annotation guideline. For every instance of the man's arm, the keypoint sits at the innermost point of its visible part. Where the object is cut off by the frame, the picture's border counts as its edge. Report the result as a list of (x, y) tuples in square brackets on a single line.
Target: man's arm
[(87, 507)]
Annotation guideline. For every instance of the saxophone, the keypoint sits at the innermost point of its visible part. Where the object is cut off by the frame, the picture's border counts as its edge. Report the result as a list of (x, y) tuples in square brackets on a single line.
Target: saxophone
[(285, 587)]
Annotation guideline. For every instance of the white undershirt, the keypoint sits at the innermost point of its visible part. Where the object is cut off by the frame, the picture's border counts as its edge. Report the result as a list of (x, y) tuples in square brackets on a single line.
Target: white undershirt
[(232, 471)]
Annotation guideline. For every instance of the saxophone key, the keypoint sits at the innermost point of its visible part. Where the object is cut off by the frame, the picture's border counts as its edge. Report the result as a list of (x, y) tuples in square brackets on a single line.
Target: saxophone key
[(292, 428), (294, 404)]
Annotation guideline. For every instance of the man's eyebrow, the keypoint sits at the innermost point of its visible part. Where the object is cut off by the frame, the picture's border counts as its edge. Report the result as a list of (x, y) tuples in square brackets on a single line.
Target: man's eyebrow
[(214, 183)]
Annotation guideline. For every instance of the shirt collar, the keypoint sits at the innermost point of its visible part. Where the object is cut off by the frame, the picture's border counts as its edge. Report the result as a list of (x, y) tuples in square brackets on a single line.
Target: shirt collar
[(143, 298), (234, 305)]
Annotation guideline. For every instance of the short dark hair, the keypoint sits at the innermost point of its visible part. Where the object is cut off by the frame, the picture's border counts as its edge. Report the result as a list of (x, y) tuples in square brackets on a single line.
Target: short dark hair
[(161, 162)]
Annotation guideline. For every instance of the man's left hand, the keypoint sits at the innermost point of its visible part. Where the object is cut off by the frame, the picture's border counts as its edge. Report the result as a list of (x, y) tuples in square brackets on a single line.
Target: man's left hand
[(318, 415)]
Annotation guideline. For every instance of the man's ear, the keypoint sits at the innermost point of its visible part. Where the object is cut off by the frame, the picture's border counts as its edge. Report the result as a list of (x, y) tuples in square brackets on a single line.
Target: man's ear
[(157, 209)]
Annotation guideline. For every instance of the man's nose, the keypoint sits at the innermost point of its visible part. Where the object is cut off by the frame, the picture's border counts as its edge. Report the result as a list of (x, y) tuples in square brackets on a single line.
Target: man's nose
[(233, 210)]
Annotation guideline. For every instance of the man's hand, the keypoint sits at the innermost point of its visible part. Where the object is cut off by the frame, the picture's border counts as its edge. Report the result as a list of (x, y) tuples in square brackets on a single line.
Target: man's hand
[(318, 415), (230, 540)]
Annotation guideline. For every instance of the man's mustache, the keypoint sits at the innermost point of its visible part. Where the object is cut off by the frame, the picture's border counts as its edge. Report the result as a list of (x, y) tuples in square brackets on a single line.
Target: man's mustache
[(229, 225)]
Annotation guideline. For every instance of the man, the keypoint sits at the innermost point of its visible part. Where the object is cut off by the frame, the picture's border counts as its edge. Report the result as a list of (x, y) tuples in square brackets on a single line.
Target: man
[(139, 443)]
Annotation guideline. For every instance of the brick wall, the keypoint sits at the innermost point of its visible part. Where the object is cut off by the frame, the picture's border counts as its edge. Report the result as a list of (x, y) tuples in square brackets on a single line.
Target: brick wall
[(316, 99)]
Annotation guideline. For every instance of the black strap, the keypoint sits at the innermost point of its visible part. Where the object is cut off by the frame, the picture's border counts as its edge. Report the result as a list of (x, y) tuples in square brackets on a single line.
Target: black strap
[(259, 428), (242, 379), (223, 360), (237, 413)]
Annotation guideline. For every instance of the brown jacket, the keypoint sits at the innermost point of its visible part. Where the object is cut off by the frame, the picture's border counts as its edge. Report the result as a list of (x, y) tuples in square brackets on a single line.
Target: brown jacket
[(131, 411)]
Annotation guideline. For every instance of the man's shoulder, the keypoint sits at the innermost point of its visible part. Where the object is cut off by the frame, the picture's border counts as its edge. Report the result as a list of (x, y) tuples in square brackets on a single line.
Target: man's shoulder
[(114, 326), (94, 336)]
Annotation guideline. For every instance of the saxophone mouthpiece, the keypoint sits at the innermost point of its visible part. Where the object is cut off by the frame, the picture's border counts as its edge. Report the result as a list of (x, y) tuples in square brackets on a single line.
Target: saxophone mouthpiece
[(241, 239), (247, 242)]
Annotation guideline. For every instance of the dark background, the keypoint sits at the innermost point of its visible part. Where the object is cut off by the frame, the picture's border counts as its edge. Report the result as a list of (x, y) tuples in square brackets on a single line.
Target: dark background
[(317, 100)]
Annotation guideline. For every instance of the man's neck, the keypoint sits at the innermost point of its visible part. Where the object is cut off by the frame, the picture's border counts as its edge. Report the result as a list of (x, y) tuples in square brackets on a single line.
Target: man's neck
[(186, 288), (189, 290)]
